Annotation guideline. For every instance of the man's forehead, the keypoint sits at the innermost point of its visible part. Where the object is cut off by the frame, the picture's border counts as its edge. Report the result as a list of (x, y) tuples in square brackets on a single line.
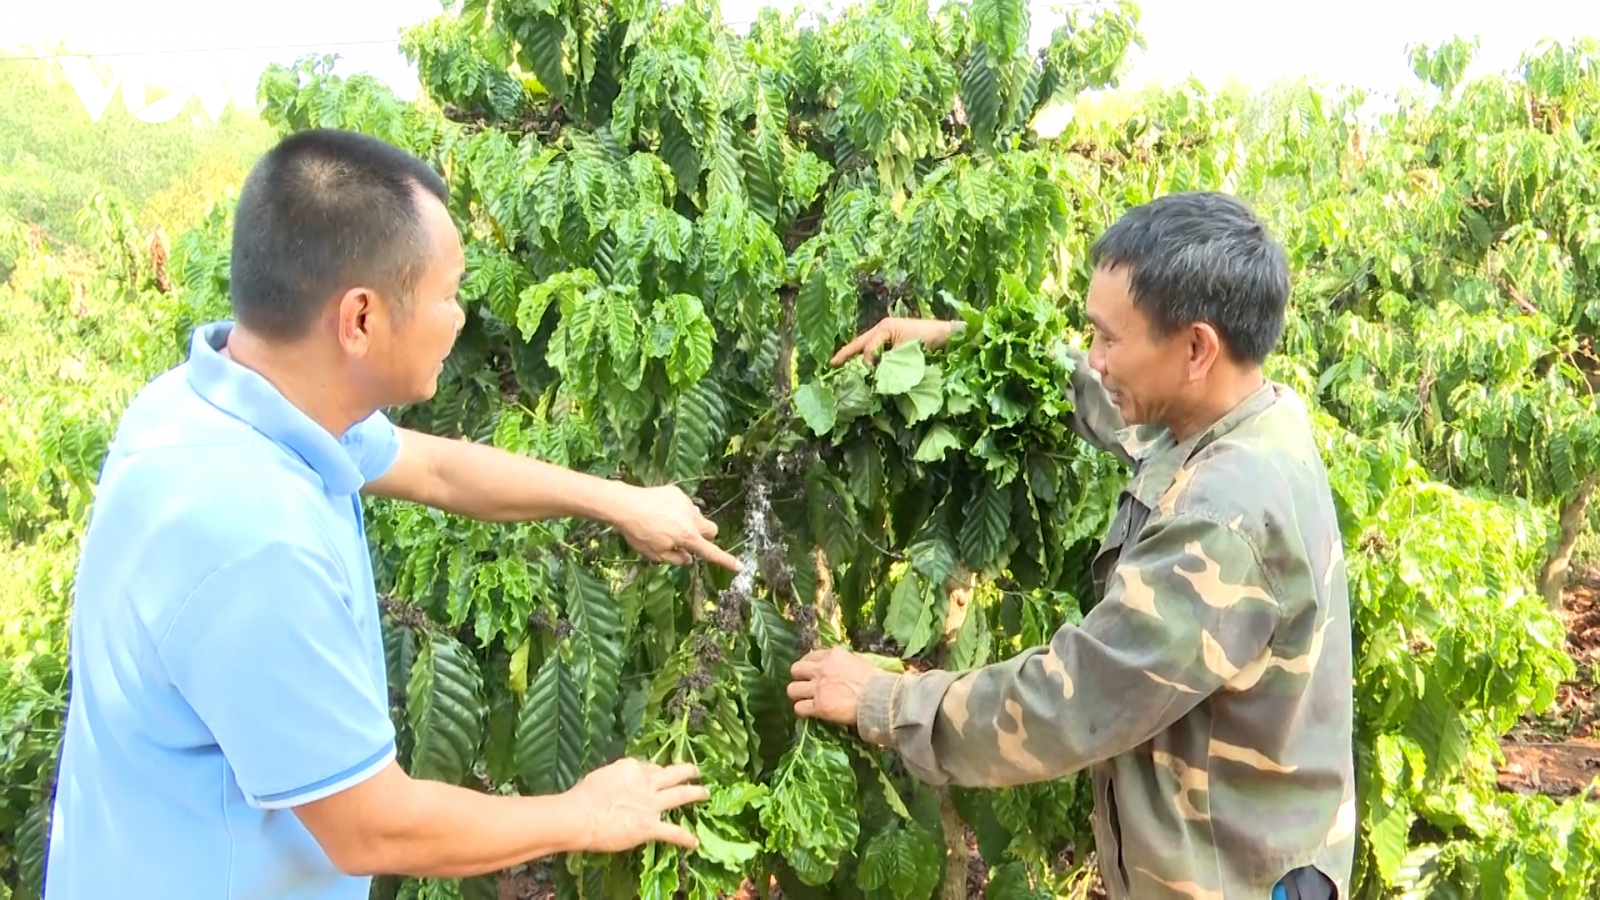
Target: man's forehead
[(1106, 288), (1106, 276)]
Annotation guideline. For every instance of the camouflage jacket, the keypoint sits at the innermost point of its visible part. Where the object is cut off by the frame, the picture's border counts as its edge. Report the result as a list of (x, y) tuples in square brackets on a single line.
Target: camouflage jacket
[(1209, 689)]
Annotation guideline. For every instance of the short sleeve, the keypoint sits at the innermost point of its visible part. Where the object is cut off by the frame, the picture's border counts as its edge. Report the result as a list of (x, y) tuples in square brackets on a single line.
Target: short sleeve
[(269, 655), (373, 445)]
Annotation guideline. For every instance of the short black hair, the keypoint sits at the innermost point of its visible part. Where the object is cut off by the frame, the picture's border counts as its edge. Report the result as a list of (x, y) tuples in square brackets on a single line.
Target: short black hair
[(325, 210), (1202, 257)]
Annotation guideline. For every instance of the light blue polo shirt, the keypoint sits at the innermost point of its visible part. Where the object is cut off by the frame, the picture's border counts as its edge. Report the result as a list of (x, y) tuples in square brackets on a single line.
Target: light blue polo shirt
[(226, 656)]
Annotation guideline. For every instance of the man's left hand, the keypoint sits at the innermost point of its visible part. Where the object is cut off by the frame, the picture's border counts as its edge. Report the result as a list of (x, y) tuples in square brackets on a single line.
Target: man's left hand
[(828, 684), (664, 525)]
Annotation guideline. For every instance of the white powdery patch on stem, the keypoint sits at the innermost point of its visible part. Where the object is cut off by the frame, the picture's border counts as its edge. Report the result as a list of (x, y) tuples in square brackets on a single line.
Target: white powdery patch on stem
[(758, 531)]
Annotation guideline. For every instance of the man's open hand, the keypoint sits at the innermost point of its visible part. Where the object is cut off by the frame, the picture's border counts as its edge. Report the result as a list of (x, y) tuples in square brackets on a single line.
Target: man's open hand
[(828, 684), (625, 800), (933, 333), (664, 525)]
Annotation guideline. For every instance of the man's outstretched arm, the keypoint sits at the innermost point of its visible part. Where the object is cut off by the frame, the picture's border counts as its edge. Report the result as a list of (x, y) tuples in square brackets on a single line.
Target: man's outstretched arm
[(271, 656), (492, 485), (1187, 612), (392, 824)]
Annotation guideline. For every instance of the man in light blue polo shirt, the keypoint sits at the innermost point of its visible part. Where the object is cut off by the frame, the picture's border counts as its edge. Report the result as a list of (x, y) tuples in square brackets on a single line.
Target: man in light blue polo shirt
[(228, 733)]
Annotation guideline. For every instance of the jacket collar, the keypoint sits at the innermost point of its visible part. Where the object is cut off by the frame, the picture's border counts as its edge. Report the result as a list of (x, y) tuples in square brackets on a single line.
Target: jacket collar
[(1159, 455)]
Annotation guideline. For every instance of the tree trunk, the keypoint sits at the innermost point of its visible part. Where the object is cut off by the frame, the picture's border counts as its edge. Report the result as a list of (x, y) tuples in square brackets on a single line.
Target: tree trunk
[(956, 860), (827, 604), (958, 589), (784, 368), (1553, 577)]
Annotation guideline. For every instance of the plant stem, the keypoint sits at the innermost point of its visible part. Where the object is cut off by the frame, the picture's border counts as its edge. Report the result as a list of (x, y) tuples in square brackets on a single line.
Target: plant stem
[(1553, 577), (958, 590)]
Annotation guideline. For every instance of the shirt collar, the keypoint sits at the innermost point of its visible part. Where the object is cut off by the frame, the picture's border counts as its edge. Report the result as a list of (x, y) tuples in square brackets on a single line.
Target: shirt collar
[(1160, 455), (247, 396)]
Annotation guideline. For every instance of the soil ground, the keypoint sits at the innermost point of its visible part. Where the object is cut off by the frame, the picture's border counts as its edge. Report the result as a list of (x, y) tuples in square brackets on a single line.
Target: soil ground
[(1556, 753), (532, 883)]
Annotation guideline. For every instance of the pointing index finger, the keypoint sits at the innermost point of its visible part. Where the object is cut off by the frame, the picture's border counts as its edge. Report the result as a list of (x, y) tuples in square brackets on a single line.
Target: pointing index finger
[(712, 553)]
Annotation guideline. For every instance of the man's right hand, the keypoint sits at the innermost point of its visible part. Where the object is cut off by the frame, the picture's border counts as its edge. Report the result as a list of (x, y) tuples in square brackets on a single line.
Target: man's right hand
[(933, 333), (625, 800)]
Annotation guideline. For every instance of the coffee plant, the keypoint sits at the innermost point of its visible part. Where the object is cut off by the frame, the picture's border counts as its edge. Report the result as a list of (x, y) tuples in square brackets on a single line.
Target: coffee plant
[(1451, 270), (670, 230)]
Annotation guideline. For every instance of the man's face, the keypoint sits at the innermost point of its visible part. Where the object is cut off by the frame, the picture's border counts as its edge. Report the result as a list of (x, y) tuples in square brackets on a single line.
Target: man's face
[(422, 332), (1144, 373)]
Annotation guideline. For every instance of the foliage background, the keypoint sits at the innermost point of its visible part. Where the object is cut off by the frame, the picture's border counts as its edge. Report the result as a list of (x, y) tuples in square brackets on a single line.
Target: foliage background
[(54, 160)]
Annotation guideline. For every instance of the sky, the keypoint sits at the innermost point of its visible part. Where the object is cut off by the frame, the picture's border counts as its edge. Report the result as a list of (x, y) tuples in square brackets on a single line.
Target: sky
[(194, 43)]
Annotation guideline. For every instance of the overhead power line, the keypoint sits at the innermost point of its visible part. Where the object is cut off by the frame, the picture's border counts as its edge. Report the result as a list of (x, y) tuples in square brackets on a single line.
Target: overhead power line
[(51, 56), (179, 52)]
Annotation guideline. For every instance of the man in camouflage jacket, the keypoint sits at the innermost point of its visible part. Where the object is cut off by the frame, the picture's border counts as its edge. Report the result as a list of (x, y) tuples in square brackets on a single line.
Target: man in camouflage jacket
[(1209, 689)]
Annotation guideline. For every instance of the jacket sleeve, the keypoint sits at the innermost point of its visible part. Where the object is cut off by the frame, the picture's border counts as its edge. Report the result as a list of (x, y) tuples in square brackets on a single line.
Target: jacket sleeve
[(1189, 610), (1094, 417)]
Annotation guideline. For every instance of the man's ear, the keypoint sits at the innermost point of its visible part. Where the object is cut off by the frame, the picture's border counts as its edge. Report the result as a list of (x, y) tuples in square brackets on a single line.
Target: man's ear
[(1204, 348), (355, 311)]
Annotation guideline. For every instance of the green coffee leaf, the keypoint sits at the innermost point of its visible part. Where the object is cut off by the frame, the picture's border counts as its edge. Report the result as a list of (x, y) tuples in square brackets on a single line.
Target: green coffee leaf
[(901, 861), (681, 334), (983, 532), (906, 608), (445, 703), (817, 406), (900, 369), (729, 853), (810, 816), (936, 443), (551, 731), (923, 399), (853, 397)]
